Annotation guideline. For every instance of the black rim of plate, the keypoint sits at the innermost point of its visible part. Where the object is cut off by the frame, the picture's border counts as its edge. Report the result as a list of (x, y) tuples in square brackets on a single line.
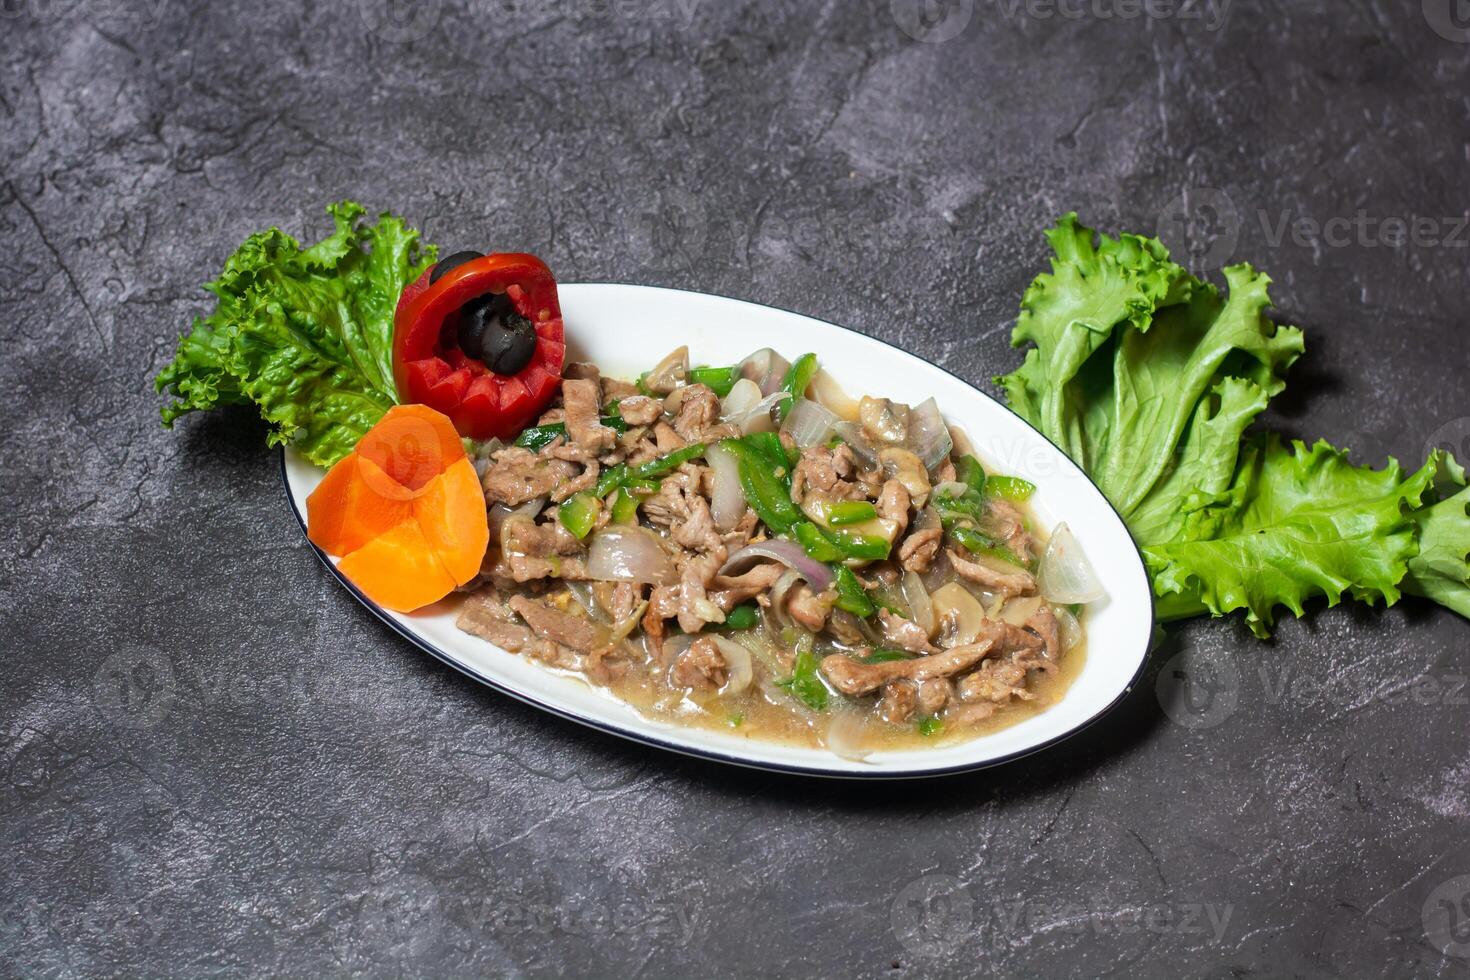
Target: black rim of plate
[(711, 754)]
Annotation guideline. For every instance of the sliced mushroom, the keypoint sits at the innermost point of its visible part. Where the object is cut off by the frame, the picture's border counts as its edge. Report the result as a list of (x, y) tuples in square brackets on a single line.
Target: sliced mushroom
[(908, 469), (884, 421)]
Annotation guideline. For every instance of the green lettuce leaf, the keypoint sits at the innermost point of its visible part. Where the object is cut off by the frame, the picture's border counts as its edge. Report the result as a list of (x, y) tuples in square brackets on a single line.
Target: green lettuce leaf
[(1441, 569), (1150, 380), (305, 334), (1295, 523)]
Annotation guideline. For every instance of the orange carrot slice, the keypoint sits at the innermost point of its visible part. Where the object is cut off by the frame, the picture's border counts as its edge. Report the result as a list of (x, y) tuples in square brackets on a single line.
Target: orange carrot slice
[(399, 570), (412, 444), (456, 530), (354, 504), (404, 510)]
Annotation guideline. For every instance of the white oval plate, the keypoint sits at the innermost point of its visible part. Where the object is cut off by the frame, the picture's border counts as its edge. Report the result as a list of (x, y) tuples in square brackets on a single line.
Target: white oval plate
[(625, 330)]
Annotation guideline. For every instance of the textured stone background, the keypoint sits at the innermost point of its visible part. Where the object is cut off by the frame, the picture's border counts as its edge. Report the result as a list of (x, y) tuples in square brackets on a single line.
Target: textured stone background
[(217, 763)]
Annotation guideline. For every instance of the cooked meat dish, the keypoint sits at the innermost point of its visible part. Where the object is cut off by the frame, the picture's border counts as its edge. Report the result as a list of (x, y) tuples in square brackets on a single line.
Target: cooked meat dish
[(749, 547)]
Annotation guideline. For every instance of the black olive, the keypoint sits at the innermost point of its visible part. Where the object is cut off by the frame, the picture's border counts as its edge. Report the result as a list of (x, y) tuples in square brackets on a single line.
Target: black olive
[(493, 333), (450, 262)]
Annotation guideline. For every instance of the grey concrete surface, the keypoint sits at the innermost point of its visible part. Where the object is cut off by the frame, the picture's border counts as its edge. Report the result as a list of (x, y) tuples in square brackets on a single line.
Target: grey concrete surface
[(216, 763)]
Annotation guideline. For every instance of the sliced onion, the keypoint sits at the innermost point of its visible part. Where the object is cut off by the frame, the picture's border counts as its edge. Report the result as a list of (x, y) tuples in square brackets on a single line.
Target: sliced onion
[(829, 394), (953, 489), (852, 434), (582, 592), (727, 496), (962, 444), (624, 628), (630, 554), (809, 424), (929, 437), (844, 736), (1069, 630), (743, 396), (499, 514), (1065, 575), (776, 611), (959, 613), (916, 597), (747, 409), (669, 373), (737, 659), (766, 368), (759, 419), (788, 553)]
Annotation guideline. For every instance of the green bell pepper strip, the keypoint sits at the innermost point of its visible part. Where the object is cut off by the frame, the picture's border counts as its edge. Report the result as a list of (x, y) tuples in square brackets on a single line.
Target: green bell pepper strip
[(798, 376), (578, 513), (1009, 488), (845, 512), (768, 444), (743, 617), (977, 543), (816, 544), (969, 472), (624, 507), (611, 479), (642, 487), (664, 465), (860, 546), (719, 380), (931, 726), (970, 506), (768, 494), (539, 437), (851, 595), (805, 684)]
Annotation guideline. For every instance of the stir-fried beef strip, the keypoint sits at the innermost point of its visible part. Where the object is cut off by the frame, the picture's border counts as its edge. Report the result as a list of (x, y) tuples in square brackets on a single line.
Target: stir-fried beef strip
[(700, 666), (518, 475), (903, 633), (810, 609), (918, 550), (584, 413), (525, 604), (851, 677), (1020, 582), (641, 410), (827, 471)]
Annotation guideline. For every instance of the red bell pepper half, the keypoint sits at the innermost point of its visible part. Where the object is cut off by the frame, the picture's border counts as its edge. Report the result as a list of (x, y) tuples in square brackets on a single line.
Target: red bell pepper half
[(430, 368)]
